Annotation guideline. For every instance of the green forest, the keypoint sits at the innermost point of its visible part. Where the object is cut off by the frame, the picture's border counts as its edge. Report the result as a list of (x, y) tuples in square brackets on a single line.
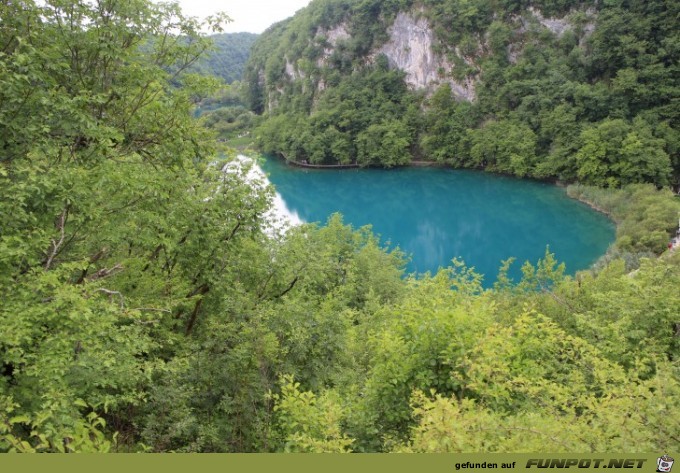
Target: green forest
[(595, 101), (147, 304), (227, 57)]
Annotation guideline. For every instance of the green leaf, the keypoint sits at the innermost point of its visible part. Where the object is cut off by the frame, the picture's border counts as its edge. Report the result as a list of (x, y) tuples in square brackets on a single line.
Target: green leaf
[(22, 419)]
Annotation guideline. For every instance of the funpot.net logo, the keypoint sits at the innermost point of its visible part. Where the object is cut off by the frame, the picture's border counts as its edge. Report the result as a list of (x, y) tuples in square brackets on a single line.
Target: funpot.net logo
[(664, 464)]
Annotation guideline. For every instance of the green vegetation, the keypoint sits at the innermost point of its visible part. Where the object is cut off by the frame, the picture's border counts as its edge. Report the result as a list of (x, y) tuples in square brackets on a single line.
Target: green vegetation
[(644, 216), (369, 117), (224, 113), (223, 110), (147, 305), (228, 56), (595, 102)]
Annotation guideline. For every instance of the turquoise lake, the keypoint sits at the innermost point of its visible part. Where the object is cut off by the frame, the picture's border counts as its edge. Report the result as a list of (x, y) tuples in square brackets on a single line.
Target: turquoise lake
[(435, 214)]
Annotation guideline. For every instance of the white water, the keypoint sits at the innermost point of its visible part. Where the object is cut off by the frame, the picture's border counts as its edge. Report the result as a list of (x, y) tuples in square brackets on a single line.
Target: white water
[(279, 215)]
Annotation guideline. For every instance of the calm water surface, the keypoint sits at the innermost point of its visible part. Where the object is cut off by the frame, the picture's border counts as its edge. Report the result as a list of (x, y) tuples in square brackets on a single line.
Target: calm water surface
[(435, 215)]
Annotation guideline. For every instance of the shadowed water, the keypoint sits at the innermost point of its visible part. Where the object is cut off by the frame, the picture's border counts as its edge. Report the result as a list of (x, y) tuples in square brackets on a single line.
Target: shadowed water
[(435, 215)]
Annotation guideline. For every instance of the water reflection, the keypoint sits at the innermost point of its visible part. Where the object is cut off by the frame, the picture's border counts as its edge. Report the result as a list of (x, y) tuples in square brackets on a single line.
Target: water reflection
[(438, 214), (279, 215), (429, 243)]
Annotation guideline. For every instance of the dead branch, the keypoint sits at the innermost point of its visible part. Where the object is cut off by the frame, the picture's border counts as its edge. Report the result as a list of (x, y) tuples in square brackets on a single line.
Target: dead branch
[(93, 259), (111, 294), (56, 245), (105, 272), (557, 299), (152, 309)]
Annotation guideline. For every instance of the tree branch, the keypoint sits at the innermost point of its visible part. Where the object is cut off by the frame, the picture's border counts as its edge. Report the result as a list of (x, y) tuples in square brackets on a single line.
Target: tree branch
[(113, 293), (233, 232), (93, 259), (260, 293), (56, 245), (152, 309), (194, 316), (289, 288), (105, 272)]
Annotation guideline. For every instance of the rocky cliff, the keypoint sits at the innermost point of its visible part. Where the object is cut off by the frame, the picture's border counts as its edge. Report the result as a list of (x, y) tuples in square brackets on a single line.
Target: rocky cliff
[(410, 48), (569, 89), (409, 42)]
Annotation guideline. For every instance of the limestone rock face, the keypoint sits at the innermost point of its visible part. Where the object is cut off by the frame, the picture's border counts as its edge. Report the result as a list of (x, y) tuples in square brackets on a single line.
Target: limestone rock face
[(410, 49), (292, 72), (336, 34), (332, 36), (413, 48), (556, 25)]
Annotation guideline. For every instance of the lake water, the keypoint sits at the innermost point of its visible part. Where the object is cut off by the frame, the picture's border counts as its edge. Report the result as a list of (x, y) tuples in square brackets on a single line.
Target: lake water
[(435, 214)]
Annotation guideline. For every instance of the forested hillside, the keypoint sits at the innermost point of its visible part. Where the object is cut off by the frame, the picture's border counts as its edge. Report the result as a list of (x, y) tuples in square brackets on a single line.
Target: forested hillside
[(228, 57), (147, 305), (574, 90)]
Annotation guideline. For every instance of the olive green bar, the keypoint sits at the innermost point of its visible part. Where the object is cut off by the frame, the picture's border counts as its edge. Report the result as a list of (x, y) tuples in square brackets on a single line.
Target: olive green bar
[(330, 463)]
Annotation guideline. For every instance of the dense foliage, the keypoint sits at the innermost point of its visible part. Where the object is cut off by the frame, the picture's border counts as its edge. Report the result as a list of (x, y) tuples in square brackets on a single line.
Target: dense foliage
[(147, 304), (645, 217), (224, 113), (595, 101), (227, 57), (369, 118), (223, 110)]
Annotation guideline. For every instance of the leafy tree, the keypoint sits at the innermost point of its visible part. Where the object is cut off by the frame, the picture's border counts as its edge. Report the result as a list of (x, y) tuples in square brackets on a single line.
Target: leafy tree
[(228, 57), (612, 61), (504, 146), (148, 304), (615, 153), (101, 194), (386, 144), (446, 122), (310, 424)]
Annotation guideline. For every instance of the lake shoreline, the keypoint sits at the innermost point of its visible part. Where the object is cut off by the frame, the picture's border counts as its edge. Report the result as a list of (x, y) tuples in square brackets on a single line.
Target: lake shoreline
[(440, 165), (594, 206), (414, 164), (435, 164), (572, 193), (437, 215)]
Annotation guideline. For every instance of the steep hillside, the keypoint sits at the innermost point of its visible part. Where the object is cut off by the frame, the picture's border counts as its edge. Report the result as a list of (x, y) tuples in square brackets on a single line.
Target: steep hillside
[(227, 60), (575, 90)]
